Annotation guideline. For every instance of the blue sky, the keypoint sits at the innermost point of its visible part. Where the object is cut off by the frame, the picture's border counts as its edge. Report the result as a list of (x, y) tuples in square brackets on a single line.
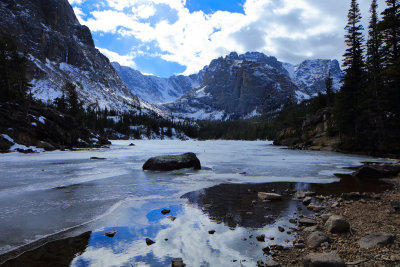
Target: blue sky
[(166, 37)]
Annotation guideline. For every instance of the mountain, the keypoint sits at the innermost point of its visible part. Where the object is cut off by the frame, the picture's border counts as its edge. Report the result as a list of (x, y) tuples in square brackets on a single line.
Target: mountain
[(244, 86), (154, 89), (310, 75), (58, 48)]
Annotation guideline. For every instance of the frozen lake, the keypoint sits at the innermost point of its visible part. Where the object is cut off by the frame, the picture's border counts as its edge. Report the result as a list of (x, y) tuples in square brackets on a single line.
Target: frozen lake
[(46, 193)]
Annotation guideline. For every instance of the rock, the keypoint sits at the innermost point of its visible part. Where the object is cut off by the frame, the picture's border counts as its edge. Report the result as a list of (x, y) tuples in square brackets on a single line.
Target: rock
[(307, 201), (299, 245), (131, 144), (395, 206), (266, 250), (275, 246), (303, 194), (395, 258), (351, 196), (97, 158), (177, 262), (377, 171), (260, 238), (263, 196), (315, 208), (172, 162), (260, 263), (337, 224), (325, 217), (376, 240), (46, 145), (307, 222), (335, 204), (331, 259), (172, 218), (211, 232), (111, 233), (281, 229), (149, 241), (316, 238), (271, 263), (242, 173), (165, 211), (293, 221)]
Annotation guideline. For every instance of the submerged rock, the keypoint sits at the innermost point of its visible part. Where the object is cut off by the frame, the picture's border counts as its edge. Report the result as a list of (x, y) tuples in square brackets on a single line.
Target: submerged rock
[(331, 259), (172, 162), (177, 262), (260, 238), (149, 241), (377, 171), (165, 211), (375, 240), (111, 233)]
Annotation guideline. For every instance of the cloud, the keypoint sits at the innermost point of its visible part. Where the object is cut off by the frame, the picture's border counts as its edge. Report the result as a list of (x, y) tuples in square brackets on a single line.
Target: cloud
[(125, 60), (290, 30)]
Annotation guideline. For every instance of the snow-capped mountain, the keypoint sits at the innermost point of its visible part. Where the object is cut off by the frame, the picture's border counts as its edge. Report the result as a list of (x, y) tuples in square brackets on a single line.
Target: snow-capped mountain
[(154, 89), (59, 48), (310, 76), (244, 86)]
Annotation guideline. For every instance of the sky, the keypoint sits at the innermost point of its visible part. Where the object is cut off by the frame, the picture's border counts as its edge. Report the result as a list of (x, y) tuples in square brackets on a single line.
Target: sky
[(167, 37)]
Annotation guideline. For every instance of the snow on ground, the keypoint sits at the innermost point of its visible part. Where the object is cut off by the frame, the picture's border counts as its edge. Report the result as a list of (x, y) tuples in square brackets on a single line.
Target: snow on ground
[(16, 146)]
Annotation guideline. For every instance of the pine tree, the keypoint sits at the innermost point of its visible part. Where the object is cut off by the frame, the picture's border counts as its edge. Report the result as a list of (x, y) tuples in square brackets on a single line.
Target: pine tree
[(390, 76), (347, 104), (390, 28), (372, 97), (13, 82), (329, 91)]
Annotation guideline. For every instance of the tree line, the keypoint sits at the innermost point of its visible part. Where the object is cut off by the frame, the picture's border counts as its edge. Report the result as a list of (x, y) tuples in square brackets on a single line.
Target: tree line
[(367, 109)]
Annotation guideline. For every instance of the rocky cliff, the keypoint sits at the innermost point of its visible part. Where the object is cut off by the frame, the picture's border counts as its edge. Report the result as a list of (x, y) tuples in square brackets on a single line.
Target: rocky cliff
[(154, 89), (244, 86), (59, 48), (314, 133)]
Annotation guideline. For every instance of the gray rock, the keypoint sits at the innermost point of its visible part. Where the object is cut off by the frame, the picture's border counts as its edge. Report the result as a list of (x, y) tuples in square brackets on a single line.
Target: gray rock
[(315, 208), (263, 196), (331, 259), (281, 229), (316, 238), (376, 240), (271, 263), (172, 162), (377, 171), (337, 224), (307, 222), (325, 217), (177, 262), (46, 146), (303, 194)]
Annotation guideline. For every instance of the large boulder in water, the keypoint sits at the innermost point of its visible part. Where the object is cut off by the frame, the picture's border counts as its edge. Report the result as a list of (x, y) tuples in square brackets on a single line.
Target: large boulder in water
[(172, 162)]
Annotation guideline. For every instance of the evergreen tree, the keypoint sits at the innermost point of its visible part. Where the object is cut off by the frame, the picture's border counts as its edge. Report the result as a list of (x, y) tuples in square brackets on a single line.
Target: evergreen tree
[(74, 105), (13, 82), (347, 104), (329, 91)]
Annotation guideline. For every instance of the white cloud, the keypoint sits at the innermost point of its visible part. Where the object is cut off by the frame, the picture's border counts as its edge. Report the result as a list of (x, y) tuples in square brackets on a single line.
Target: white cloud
[(290, 30), (125, 60)]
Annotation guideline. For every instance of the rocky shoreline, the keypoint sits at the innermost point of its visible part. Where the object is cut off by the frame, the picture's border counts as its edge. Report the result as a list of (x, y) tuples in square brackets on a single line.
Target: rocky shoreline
[(354, 229)]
